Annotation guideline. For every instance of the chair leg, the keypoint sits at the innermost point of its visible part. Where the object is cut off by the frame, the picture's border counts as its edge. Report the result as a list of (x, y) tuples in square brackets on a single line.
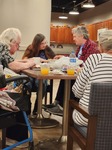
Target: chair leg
[(4, 138), (69, 143)]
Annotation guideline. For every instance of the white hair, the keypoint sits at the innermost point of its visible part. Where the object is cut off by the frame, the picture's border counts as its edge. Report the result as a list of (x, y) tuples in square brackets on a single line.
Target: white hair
[(81, 30), (105, 39), (9, 35)]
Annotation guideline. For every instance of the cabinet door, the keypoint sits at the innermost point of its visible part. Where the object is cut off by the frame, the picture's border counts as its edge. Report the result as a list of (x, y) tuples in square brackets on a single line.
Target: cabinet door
[(110, 24), (92, 32), (71, 35), (68, 35), (60, 34), (53, 33), (106, 24), (99, 25)]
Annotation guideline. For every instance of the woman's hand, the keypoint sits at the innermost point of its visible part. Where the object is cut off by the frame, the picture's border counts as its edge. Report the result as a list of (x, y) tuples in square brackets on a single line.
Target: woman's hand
[(58, 56), (43, 60)]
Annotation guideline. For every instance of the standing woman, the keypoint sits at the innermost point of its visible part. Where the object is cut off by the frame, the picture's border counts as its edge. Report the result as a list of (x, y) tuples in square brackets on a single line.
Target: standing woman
[(38, 48)]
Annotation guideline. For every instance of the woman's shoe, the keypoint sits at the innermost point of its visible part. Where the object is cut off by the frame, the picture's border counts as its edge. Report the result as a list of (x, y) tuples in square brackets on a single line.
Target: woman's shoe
[(50, 105), (57, 110)]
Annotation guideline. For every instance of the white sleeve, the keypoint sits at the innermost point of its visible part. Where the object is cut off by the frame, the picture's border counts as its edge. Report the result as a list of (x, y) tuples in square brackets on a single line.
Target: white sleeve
[(85, 75)]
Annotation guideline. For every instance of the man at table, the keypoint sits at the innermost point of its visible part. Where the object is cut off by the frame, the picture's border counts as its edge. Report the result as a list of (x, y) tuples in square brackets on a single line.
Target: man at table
[(86, 47)]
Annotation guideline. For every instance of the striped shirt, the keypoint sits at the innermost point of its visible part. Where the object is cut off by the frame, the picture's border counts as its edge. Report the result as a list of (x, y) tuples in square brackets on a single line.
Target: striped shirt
[(97, 68)]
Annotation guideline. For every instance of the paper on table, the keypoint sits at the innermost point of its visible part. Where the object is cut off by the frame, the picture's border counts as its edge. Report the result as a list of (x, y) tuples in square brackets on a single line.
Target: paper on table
[(58, 64), (56, 71)]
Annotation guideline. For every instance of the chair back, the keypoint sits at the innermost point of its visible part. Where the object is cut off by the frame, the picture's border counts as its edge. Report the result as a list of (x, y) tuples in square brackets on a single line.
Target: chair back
[(100, 104)]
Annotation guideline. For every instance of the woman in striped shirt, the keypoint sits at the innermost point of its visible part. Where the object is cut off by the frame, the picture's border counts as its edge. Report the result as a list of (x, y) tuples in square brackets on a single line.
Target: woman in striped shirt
[(97, 68)]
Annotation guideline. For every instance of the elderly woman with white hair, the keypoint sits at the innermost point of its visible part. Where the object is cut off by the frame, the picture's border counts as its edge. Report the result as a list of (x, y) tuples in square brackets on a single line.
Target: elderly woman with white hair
[(97, 68), (9, 44)]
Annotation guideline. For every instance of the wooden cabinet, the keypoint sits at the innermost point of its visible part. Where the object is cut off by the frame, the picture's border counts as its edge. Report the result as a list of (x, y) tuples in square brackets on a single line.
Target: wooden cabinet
[(110, 24), (92, 32), (93, 28), (53, 33), (61, 34)]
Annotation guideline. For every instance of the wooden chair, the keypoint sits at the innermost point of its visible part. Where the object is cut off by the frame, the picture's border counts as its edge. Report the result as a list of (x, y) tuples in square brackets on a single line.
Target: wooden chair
[(98, 134)]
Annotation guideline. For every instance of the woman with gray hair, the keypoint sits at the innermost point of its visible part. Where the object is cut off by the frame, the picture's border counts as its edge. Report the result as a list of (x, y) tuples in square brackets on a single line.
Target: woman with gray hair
[(10, 34), (9, 44), (86, 47), (81, 30), (97, 68)]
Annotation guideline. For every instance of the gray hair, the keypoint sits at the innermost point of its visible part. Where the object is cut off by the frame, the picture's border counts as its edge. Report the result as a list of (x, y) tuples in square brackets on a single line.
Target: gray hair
[(105, 39), (81, 30), (10, 34)]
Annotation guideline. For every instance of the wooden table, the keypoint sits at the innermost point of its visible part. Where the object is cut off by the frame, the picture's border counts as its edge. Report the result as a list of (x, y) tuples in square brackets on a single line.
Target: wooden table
[(40, 77)]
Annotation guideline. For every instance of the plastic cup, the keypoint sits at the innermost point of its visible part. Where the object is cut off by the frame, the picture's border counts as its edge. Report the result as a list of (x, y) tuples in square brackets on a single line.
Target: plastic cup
[(70, 70), (45, 69)]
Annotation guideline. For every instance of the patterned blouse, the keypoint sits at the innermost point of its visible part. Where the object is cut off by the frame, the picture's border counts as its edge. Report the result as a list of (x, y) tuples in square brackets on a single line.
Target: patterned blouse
[(97, 68), (4, 54), (89, 48)]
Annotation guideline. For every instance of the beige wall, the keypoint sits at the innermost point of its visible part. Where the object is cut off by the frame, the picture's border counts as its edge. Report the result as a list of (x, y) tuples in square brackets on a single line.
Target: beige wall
[(30, 16)]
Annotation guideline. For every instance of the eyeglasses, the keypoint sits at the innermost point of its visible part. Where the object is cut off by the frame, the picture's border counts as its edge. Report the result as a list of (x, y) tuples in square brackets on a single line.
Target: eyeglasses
[(18, 44), (15, 43)]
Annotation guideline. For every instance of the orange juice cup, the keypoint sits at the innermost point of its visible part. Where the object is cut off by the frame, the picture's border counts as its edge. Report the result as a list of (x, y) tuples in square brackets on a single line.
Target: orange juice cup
[(45, 69), (70, 70)]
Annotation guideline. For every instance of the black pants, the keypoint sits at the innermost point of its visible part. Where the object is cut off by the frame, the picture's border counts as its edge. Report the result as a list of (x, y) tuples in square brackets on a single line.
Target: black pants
[(60, 92)]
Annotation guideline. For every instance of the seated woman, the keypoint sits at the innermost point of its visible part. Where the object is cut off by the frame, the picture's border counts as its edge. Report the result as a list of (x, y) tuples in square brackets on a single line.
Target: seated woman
[(97, 68), (38, 48), (9, 44), (86, 47)]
